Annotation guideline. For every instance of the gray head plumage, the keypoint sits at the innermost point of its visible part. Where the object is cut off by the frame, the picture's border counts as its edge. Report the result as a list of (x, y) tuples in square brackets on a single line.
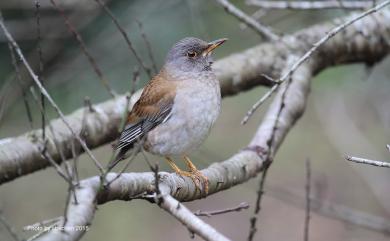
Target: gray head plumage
[(192, 54)]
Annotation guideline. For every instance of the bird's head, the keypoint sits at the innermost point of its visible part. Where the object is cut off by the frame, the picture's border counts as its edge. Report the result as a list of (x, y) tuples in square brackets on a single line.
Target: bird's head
[(192, 54)]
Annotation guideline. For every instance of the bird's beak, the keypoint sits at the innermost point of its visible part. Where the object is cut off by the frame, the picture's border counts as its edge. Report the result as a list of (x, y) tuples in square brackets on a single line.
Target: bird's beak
[(212, 45)]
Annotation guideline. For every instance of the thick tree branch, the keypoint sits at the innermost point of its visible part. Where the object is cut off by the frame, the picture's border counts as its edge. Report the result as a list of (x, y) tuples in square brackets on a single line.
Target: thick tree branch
[(192, 222), (365, 41)]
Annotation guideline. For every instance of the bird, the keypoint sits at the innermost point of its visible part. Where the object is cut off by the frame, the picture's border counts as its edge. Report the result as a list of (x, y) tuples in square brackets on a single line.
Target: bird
[(177, 108)]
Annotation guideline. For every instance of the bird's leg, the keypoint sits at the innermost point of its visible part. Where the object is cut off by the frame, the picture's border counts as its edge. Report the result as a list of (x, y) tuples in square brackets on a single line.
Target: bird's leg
[(197, 174), (173, 165), (181, 173)]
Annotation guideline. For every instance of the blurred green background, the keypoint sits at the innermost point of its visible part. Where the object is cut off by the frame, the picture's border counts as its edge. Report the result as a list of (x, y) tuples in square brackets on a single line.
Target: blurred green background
[(348, 113)]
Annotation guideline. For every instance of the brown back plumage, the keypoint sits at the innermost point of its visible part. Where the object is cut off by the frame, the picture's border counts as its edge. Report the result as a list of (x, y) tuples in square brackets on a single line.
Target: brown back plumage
[(152, 109)]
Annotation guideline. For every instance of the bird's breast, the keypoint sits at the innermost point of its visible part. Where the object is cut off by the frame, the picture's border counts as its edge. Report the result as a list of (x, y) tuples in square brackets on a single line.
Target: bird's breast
[(195, 110)]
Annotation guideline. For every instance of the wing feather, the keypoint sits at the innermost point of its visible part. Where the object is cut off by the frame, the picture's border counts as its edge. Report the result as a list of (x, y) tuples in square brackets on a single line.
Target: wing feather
[(152, 109)]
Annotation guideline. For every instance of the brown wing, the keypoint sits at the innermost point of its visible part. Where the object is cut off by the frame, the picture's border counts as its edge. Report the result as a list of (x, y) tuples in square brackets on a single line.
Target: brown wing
[(153, 108)]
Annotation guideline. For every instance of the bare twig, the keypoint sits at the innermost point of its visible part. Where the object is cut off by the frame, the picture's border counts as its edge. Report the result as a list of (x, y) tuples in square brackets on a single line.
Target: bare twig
[(148, 45), (19, 81), (46, 94), (314, 5), (54, 134), (259, 103), (130, 159), (68, 174), (264, 31), (158, 197), (270, 153), (75, 164), (84, 49), (239, 208), (88, 103), (332, 210), (125, 36), (256, 16), (308, 200), (138, 145), (309, 53), (9, 227), (40, 57), (368, 161), (134, 80), (83, 133), (260, 192), (57, 167)]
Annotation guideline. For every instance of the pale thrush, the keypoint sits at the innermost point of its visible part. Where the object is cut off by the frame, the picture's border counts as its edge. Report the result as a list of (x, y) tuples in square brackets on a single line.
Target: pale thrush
[(177, 108)]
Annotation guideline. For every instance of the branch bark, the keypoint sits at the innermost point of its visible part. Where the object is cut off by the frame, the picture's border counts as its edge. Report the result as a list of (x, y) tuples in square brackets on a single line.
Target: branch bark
[(365, 41)]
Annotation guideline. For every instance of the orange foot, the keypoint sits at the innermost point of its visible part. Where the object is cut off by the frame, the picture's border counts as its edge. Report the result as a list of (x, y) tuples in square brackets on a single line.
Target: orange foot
[(197, 177)]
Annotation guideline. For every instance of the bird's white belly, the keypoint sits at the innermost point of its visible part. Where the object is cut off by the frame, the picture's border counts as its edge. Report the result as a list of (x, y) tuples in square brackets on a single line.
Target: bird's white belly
[(195, 110)]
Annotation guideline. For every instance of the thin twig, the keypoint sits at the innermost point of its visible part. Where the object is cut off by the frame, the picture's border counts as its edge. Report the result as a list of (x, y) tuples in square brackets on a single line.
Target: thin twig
[(368, 161), (125, 36), (134, 81), (139, 144), (256, 16), (46, 94), (72, 184), (154, 168), (43, 113), (159, 199), (308, 54), (332, 210), (260, 193), (135, 78), (65, 219), (264, 31), (40, 57), (148, 46), (88, 108), (134, 153), (268, 158), (238, 208), (11, 230), (88, 103), (75, 166), (259, 103), (312, 5), (56, 166), (84, 49), (308, 200), (19, 81)]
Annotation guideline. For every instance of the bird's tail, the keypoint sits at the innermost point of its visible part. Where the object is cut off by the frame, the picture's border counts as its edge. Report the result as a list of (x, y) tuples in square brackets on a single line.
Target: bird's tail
[(119, 156)]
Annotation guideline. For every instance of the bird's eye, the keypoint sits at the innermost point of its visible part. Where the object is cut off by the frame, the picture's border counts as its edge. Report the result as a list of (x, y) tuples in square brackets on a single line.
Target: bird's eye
[(191, 54)]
